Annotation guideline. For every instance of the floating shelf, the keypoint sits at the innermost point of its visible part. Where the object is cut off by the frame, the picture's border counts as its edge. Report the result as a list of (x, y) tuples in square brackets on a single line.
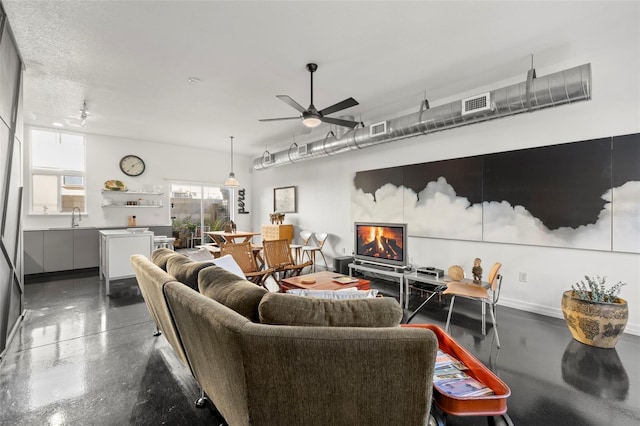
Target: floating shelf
[(131, 192), (113, 206)]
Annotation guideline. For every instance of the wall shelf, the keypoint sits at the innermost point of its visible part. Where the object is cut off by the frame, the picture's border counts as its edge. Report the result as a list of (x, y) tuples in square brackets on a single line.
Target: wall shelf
[(104, 191), (113, 206)]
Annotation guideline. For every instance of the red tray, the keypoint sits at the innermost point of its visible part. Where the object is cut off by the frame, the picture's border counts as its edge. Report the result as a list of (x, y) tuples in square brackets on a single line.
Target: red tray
[(485, 405)]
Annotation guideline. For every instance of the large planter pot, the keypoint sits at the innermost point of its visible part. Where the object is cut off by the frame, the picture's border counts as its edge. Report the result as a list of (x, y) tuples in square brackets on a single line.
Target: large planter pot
[(595, 323)]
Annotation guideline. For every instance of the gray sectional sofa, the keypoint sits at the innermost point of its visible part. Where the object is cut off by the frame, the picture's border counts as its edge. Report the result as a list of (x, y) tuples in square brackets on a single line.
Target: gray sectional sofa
[(277, 359)]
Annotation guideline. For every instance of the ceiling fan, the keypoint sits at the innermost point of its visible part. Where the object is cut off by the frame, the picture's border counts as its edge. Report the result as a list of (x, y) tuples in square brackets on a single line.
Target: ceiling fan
[(311, 117)]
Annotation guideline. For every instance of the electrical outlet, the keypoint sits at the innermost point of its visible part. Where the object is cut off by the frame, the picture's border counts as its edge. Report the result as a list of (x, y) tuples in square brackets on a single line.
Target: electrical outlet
[(523, 277)]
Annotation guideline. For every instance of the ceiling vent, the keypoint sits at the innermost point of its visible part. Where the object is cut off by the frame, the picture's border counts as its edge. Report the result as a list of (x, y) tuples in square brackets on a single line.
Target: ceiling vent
[(560, 88), (302, 149), (476, 104), (267, 158), (378, 129)]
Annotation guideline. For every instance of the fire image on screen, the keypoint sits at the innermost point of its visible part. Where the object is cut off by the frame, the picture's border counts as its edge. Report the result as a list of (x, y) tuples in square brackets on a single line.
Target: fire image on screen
[(382, 242)]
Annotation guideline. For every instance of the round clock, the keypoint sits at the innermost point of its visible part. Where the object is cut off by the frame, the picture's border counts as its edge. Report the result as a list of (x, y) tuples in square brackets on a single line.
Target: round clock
[(132, 165)]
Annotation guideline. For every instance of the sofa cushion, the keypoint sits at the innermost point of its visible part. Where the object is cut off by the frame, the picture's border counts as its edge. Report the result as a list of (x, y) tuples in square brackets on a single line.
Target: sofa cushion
[(160, 256), (235, 293), (288, 309), (186, 270)]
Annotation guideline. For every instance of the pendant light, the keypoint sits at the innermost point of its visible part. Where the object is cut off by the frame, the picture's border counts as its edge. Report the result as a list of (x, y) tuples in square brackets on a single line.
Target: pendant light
[(231, 181)]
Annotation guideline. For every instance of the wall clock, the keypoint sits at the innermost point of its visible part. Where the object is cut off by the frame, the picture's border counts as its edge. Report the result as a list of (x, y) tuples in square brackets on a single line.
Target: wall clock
[(132, 165)]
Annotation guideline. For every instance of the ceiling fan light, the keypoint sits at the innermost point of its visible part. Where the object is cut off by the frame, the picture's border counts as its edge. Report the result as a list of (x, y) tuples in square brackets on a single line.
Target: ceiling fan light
[(311, 121)]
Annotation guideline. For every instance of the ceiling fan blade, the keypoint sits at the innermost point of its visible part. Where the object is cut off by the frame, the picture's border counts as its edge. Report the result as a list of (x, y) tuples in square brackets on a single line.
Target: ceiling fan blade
[(347, 103), (290, 101), (339, 122), (279, 119)]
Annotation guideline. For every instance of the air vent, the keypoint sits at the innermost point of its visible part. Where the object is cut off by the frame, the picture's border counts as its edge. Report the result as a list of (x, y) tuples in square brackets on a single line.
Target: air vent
[(302, 149), (476, 104), (266, 158), (378, 129)]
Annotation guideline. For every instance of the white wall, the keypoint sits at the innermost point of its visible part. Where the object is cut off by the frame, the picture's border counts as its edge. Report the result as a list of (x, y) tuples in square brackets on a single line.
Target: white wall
[(164, 163), (324, 185)]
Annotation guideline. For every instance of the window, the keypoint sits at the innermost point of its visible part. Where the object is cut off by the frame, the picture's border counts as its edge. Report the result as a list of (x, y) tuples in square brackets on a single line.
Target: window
[(57, 172), (196, 207)]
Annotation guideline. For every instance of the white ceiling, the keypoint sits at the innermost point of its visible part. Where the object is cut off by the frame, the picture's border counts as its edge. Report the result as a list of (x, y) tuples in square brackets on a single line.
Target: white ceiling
[(131, 60)]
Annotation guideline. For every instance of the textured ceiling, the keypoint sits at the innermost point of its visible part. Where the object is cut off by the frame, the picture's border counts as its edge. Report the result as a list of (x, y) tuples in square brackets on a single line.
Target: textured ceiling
[(131, 60)]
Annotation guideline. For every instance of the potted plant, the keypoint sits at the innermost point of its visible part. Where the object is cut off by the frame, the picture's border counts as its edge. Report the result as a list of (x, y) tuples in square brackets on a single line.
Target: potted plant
[(595, 315)]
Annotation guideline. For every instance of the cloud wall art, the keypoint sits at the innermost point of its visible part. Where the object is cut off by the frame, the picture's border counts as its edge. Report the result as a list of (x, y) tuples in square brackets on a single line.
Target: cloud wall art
[(582, 195)]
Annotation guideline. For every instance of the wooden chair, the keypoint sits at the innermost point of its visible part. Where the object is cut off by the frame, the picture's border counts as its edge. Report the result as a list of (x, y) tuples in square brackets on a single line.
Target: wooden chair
[(277, 255), (244, 256), (486, 296)]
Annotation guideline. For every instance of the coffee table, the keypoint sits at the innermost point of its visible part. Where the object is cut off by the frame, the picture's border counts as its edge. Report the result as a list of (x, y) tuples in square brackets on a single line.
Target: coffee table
[(323, 281)]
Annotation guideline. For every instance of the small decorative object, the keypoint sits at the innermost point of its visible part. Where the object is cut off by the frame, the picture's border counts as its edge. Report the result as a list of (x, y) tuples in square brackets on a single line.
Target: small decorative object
[(595, 315), (228, 228), (114, 185), (131, 221), (241, 205), (476, 271), (456, 272), (234, 228), (307, 280), (276, 218)]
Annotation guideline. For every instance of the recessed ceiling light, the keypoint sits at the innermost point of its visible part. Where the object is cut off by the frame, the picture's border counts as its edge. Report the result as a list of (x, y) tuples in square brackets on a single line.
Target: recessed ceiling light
[(57, 124), (194, 80)]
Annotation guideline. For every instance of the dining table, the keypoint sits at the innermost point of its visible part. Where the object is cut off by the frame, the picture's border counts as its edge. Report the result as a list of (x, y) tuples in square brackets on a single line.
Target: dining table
[(223, 237)]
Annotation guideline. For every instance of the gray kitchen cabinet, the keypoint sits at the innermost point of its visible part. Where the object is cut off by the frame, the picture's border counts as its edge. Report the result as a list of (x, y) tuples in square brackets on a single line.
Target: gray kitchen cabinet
[(86, 245), (33, 243), (58, 250)]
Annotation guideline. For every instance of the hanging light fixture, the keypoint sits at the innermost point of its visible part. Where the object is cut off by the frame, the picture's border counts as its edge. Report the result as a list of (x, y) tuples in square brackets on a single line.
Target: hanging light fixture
[(231, 181)]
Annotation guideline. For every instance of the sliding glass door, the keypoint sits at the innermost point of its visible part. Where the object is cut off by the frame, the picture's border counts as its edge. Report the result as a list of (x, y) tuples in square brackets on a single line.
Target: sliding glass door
[(196, 209)]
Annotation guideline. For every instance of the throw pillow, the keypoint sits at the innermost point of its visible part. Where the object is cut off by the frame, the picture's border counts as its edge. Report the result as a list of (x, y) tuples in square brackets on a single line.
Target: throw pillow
[(350, 293), (200, 255), (288, 309), (229, 263), (235, 293), (160, 256), (186, 270)]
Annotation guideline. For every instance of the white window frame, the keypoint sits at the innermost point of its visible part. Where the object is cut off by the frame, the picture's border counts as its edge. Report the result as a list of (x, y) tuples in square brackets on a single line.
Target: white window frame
[(60, 173)]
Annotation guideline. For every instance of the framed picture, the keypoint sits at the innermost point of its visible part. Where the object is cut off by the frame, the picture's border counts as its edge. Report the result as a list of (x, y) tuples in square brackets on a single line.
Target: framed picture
[(284, 199)]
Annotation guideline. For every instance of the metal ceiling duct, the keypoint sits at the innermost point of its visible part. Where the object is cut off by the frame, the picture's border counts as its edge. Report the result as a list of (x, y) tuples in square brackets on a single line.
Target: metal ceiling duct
[(570, 85)]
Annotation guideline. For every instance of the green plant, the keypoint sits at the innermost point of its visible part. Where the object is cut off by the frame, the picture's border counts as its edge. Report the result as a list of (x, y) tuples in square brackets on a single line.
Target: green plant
[(595, 290)]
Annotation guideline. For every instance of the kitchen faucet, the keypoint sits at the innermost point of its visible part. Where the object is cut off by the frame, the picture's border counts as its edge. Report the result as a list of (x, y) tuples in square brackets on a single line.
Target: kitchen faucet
[(75, 223)]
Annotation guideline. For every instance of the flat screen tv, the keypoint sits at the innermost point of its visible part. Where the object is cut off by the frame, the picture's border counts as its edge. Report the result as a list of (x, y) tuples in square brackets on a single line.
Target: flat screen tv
[(381, 243)]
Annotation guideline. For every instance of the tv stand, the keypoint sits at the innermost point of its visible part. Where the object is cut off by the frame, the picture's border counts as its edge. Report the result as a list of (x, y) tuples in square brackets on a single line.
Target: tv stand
[(388, 271)]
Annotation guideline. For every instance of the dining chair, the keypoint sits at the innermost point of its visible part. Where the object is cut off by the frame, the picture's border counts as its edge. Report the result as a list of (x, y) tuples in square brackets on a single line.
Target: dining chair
[(485, 295), (277, 256), (244, 255), (311, 250)]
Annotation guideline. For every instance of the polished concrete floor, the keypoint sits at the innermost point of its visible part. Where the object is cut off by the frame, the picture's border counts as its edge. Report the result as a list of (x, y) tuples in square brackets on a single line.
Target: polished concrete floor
[(81, 358)]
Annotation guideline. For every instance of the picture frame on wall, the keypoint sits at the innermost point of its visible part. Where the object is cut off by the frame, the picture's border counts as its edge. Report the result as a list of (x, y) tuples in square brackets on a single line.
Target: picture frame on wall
[(284, 199)]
